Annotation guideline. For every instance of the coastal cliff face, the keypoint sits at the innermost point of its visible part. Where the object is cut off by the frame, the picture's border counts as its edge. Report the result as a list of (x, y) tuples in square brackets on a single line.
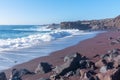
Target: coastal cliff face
[(112, 23)]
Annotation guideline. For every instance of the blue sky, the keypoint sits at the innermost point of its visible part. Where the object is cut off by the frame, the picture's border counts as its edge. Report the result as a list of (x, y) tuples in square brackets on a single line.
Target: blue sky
[(55, 11)]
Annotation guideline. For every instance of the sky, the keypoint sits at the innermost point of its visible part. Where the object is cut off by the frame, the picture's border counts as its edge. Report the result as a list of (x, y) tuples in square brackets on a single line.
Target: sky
[(35, 12)]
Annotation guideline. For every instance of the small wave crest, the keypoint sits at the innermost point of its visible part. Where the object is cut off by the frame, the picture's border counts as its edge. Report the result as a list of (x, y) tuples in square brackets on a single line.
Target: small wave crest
[(34, 28), (31, 40)]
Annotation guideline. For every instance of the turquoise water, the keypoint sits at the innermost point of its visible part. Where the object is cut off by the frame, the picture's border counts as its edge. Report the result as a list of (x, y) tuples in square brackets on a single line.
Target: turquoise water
[(17, 31)]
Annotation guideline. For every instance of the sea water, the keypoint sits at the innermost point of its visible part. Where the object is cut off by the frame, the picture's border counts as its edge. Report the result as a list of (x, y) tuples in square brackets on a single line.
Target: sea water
[(21, 43)]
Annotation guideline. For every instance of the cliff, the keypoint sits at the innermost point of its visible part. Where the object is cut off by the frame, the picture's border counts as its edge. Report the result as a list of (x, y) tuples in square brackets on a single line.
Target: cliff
[(111, 23)]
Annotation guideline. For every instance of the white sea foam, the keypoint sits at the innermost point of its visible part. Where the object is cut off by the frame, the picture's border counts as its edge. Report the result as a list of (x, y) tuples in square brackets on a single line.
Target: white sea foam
[(31, 40)]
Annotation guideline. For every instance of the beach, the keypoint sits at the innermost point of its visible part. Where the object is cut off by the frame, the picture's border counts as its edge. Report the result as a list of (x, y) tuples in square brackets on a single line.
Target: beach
[(90, 47), (35, 41), (59, 40)]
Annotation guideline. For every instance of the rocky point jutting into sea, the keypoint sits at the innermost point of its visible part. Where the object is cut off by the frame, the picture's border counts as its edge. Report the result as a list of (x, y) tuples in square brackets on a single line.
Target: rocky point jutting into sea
[(96, 58), (102, 24)]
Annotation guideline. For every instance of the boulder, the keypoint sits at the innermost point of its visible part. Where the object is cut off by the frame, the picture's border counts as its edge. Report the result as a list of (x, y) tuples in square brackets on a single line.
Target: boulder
[(71, 64), (17, 74), (2, 76), (111, 55), (69, 57), (43, 67), (116, 75), (110, 65), (114, 53), (104, 56)]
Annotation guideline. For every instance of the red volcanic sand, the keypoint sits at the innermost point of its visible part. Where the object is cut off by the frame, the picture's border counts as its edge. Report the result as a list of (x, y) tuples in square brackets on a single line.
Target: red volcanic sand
[(90, 47)]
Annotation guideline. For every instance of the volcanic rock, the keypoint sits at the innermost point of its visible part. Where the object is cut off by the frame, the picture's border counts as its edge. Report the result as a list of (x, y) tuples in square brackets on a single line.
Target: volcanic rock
[(17, 74), (116, 75), (71, 64), (43, 67), (2, 76)]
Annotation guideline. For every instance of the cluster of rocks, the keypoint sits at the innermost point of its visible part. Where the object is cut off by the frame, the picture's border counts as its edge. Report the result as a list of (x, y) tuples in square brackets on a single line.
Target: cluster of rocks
[(16, 74), (102, 24), (106, 68), (114, 41)]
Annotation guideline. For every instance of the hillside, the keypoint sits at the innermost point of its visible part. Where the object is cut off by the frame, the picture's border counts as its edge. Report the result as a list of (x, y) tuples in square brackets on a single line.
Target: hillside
[(111, 23)]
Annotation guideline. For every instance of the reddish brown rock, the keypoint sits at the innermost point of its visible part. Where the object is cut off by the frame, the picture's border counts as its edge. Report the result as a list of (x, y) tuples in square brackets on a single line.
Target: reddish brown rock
[(99, 63)]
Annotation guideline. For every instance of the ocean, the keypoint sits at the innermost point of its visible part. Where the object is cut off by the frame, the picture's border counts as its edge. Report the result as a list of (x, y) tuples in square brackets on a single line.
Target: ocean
[(17, 37), (21, 43)]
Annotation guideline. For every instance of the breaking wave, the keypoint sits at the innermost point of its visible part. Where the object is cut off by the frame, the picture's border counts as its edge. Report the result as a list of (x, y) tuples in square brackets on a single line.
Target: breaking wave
[(36, 39)]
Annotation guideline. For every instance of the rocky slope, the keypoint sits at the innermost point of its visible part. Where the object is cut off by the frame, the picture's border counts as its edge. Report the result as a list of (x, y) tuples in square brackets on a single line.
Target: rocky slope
[(111, 23)]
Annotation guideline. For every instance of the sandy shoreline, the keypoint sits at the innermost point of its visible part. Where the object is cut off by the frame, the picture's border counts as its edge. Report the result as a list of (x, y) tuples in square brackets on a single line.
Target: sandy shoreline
[(90, 47)]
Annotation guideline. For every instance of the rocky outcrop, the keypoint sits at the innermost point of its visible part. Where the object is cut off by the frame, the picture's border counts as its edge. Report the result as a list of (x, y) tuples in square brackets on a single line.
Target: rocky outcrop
[(75, 25), (102, 24)]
